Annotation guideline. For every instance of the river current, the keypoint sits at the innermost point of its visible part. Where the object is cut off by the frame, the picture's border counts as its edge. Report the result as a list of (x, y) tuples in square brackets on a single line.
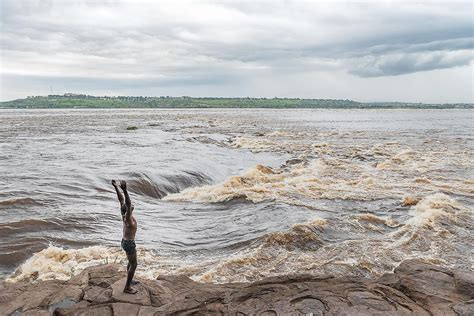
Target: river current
[(230, 195)]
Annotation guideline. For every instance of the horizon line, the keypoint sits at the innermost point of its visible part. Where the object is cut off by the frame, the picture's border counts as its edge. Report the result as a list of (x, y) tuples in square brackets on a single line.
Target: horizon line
[(68, 94)]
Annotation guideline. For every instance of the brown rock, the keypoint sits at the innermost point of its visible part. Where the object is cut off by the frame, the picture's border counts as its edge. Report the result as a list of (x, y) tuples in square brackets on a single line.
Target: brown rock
[(141, 298), (427, 284), (104, 275), (411, 200), (190, 307), (293, 161), (71, 292), (159, 292), (431, 287), (308, 304), (148, 311), (87, 311), (36, 295), (97, 294), (370, 300), (36, 312), (416, 288), (464, 309), (168, 288), (64, 304), (264, 169), (124, 309), (70, 310), (389, 279), (82, 279), (9, 292), (464, 283), (402, 304)]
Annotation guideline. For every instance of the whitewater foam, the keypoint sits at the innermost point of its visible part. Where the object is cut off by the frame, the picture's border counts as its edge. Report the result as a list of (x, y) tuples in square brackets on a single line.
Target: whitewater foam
[(59, 263), (434, 207), (372, 245), (316, 179)]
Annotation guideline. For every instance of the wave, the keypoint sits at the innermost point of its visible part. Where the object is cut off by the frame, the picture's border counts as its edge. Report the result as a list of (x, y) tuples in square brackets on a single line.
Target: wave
[(435, 208), (300, 236), (254, 185), (316, 179), (332, 178), (254, 144), (373, 222), (61, 264), (18, 202), (19, 239), (307, 248), (143, 184), (351, 245), (66, 223), (15, 250), (400, 158), (31, 225)]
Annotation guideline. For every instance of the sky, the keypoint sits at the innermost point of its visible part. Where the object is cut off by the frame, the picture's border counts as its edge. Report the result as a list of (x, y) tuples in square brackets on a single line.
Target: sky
[(361, 50)]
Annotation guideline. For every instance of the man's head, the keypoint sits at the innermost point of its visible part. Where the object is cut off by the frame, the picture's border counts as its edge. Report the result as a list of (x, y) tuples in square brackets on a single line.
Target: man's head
[(123, 210)]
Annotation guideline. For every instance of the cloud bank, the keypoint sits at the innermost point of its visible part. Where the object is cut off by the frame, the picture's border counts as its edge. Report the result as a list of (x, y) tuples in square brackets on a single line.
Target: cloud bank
[(237, 48)]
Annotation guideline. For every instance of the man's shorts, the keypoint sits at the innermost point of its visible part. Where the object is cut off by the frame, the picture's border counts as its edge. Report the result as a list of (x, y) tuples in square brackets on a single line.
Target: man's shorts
[(129, 246)]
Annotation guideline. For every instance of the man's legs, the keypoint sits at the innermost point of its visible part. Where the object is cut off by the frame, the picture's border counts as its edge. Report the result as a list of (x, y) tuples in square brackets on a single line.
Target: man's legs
[(134, 282), (131, 267)]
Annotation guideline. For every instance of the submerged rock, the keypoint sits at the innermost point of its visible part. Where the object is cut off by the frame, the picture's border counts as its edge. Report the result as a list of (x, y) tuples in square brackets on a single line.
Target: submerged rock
[(411, 200), (415, 288)]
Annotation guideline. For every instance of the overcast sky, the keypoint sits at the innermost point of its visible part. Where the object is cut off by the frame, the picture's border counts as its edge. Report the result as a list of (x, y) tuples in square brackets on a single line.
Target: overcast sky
[(360, 50)]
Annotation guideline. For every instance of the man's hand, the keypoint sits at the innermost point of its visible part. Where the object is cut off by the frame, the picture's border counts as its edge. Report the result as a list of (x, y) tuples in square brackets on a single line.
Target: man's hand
[(123, 185)]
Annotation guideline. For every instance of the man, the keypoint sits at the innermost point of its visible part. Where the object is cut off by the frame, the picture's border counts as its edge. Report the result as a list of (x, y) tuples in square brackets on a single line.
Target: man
[(129, 231)]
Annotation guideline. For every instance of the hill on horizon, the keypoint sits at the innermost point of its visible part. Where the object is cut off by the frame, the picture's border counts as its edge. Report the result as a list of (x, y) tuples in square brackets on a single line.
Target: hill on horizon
[(70, 100)]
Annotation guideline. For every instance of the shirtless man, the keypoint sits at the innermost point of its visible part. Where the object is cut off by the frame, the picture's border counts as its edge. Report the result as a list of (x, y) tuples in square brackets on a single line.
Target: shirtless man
[(129, 231)]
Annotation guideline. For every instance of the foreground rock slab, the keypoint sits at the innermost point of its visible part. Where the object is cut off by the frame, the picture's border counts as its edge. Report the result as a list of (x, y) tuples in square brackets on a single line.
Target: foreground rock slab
[(415, 288)]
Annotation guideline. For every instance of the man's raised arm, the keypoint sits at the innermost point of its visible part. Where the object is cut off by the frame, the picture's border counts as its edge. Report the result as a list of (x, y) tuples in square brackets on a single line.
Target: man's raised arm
[(123, 185), (119, 195)]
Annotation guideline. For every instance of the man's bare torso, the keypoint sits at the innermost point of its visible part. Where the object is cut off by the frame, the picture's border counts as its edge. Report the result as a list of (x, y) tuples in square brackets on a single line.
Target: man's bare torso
[(129, 228), (126, 208)]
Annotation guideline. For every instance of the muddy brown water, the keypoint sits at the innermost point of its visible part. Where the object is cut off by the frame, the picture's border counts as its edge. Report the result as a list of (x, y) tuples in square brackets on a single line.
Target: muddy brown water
[(236, 194)]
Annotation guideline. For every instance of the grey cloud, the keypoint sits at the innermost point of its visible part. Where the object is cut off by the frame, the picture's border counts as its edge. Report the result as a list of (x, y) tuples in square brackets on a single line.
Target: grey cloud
[(148, 42), (443, 45), (398, 64)]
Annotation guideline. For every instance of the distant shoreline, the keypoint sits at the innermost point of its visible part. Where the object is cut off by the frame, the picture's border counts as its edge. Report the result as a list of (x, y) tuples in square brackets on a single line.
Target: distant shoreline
[(471, 107), (74, 101)]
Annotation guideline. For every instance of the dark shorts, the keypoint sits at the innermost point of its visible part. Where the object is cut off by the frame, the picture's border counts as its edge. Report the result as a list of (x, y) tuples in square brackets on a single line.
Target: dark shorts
[(129, 246)]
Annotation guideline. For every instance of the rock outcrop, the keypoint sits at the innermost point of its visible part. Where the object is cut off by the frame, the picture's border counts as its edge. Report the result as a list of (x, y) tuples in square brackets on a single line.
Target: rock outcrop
[(415, 288)]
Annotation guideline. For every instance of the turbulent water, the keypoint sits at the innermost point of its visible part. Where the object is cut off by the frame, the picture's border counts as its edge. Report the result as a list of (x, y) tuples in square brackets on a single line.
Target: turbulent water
[(233, 195)]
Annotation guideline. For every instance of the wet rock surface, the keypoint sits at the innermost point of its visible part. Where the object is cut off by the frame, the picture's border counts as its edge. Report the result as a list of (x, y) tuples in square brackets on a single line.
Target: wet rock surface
[(415, 288)]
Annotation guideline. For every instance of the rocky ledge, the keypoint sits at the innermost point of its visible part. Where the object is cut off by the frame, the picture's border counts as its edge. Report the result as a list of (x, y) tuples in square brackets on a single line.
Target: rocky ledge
[(415, 288)]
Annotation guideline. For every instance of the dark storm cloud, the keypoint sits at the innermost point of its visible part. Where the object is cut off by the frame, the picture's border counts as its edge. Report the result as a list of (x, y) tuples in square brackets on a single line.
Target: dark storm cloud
[(397, 64)]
